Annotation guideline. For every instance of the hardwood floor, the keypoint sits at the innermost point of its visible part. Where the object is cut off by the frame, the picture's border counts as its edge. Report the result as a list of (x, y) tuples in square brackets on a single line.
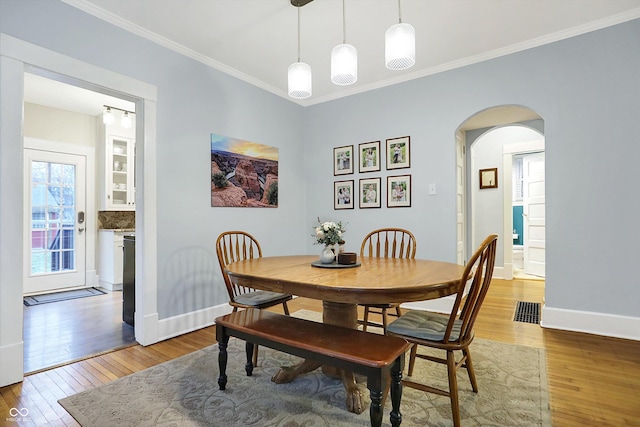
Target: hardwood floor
[(593, 380), (61, 332)]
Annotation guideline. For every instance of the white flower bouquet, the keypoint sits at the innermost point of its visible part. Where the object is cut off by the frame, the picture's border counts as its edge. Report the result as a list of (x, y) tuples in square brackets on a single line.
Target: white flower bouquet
[(329, 233)]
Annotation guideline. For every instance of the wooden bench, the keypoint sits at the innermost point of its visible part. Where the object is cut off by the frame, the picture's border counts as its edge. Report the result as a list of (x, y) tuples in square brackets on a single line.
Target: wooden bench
[(380, 358)]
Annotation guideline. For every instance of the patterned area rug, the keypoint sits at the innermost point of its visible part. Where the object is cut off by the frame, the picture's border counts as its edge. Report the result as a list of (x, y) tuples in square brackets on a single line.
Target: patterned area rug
[(184, 392)]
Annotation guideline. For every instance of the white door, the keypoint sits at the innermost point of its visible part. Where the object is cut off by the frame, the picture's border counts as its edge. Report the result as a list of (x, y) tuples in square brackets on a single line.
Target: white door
[(54, 197), (534, 214)]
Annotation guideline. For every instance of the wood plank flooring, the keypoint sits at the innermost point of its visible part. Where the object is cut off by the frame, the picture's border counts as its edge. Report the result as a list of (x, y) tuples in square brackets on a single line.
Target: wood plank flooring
[(593, 381), (65, 331)]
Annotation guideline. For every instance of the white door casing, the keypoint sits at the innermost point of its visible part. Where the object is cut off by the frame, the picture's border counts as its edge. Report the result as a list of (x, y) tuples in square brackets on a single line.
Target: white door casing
[(460, 198), (534, 214), (15, 56)]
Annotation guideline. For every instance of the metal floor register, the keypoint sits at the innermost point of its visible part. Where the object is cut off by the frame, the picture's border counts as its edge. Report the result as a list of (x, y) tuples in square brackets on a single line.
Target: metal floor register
[(527, 312)]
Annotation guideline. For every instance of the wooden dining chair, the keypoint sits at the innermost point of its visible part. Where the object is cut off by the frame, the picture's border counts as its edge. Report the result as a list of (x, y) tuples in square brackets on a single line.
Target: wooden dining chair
[(386, 243), (232, 246), (450, 332)]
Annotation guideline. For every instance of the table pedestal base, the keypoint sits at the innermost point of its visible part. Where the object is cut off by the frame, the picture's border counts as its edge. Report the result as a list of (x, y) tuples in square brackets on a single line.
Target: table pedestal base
[(340, 314)]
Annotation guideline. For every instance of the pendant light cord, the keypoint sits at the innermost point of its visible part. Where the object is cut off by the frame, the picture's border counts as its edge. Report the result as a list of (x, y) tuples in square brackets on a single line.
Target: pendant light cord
[(344, 24), (298, 34), (399, 13)]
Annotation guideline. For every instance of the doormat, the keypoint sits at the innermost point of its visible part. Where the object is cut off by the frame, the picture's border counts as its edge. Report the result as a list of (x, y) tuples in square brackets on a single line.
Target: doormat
[(527, 312), (61, 296)]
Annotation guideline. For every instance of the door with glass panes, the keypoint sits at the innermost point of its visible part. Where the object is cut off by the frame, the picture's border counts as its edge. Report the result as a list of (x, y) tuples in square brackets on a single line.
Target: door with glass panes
[(55, 185)]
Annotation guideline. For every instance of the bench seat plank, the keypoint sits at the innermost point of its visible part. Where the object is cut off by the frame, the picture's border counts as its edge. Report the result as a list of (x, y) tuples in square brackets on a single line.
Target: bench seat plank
[(362, 348), (380, 358)]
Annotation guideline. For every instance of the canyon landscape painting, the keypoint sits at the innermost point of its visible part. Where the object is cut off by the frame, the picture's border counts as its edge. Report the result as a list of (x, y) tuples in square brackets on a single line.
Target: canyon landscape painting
[(243, 173)]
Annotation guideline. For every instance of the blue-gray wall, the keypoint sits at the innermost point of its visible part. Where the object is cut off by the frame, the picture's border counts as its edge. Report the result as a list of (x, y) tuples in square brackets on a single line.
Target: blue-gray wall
[(587, 89), (194, 101)]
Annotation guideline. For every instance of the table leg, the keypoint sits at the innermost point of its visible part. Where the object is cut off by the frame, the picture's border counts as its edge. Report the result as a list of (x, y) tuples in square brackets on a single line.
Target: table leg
[(345, 315), (286, 374), (340, 314)]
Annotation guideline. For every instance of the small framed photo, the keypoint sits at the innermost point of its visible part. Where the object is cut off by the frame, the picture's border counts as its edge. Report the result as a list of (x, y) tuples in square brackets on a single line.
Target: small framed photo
[(370, 192), (399, 191), (342, 195), (489, 178), (369, 156), (343, 160), (399, 153)]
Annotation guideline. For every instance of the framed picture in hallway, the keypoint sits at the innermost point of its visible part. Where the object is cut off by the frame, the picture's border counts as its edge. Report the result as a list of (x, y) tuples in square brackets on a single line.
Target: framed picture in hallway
[(488, 178)]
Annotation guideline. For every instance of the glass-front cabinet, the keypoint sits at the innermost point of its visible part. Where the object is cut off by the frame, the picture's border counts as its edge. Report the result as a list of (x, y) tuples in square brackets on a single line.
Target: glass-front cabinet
[(117, 168), (121, 176)]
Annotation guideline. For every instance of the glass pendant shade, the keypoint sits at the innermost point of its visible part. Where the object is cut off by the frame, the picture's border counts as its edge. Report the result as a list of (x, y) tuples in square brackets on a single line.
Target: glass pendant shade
[(125, 121), (400, 46), (108, 118), (344, 64), (299, 77)]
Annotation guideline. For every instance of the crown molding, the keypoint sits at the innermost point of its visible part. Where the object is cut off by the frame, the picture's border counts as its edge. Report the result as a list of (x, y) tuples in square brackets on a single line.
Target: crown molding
[(111, 18)]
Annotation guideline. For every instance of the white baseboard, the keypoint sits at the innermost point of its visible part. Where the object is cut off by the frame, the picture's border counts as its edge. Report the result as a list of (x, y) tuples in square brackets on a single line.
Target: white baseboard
[(12, 362), (505, 272), (188, 322), (610, 325), (147, 328), (110, 286)]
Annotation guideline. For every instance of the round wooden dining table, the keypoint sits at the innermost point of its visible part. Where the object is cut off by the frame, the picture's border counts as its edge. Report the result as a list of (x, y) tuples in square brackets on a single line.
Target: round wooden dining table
[(342, 288)]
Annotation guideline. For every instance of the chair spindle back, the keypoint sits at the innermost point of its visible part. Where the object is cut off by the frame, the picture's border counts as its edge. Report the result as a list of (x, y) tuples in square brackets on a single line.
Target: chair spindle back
[(389, 243), (233, 246)]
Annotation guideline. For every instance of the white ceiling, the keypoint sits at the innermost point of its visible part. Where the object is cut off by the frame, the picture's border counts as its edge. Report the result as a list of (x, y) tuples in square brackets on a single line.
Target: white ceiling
[(256, 40), (52, 93)]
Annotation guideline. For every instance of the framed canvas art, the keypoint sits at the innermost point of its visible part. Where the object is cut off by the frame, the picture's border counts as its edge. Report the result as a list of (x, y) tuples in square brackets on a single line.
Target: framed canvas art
[(256, 187)]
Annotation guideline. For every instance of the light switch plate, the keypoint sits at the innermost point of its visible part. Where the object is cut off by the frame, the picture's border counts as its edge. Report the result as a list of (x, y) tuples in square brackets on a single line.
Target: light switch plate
[(432, 189)]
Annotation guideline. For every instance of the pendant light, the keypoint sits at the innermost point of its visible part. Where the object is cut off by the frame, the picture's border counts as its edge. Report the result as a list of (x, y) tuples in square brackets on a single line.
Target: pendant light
[(126, 121), (107, 117), (400, 45), (299, 74), (344, 59)]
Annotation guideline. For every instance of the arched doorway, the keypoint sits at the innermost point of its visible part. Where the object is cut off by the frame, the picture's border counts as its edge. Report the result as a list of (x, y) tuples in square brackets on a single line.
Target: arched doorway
[(490, 140)]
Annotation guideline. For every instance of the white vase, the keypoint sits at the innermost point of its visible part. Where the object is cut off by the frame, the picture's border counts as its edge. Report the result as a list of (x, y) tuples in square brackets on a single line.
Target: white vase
[(327, 255)]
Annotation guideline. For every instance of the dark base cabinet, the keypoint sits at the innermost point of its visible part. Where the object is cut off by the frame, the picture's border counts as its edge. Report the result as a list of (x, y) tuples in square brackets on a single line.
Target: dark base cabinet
[(129, 280)]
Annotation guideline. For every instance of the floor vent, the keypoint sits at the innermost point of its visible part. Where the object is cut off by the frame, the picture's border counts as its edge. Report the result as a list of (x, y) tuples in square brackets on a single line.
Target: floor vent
[(527, 312)]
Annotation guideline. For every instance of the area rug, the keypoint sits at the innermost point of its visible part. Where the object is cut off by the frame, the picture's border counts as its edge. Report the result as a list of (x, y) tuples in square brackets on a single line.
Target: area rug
[(61, 296), (184, 392)]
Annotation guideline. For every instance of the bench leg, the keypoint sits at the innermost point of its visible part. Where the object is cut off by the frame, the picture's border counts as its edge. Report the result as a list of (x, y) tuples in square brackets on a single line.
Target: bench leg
[(375, 410), (396, 391), (377, 382), (223, 342), (249, 348)]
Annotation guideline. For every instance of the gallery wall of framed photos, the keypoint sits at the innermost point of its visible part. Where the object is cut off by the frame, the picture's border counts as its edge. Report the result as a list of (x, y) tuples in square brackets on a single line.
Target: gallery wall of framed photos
[(367, 192)]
